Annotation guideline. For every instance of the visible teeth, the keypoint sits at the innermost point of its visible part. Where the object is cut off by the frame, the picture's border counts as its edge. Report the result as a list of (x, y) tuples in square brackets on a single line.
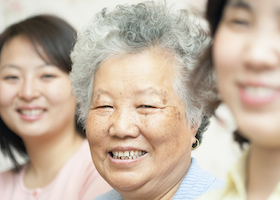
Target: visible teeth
[(32, 112), (127, 154), (259, 91), (132, 153)]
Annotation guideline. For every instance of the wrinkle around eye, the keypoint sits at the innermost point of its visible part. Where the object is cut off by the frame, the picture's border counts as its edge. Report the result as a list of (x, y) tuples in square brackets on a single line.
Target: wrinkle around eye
[(147, 109), (100, 107), (106, 106), (146, 106), (101, 110)]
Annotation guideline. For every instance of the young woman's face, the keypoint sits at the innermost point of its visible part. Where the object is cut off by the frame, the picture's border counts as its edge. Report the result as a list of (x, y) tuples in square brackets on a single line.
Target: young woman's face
[(35, 97), (246, 55)]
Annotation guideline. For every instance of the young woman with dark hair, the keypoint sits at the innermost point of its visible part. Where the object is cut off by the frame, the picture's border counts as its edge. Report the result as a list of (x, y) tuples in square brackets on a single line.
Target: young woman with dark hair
[(37, 115), (246, 56)]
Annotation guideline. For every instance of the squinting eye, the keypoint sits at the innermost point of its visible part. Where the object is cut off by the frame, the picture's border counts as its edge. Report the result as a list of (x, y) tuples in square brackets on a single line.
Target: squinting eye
[(11, 78), (106, 106), (145, 106), (48, 76), (240, 22)]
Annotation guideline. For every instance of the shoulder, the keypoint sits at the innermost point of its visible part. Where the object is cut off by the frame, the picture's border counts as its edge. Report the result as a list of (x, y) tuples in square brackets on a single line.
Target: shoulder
[(111, 195), (213, 195), (9, 179), (197, 182), (203, 179), (235, 188), (6, 176), (86, 177), (10, 175), (81, 160), (81, 165)]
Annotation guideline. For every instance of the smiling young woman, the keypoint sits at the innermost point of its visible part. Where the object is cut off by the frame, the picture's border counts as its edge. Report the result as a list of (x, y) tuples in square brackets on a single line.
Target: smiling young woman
[(246, 56), (38, 115)]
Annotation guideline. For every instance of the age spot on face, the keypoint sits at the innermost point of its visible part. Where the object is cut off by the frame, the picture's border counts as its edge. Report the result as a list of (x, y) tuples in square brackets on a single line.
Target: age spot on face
[(164, 99), (178, 114), (97, 99)]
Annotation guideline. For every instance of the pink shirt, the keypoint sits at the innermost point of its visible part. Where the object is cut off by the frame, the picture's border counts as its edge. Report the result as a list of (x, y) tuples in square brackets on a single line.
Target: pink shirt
[(77, 180)]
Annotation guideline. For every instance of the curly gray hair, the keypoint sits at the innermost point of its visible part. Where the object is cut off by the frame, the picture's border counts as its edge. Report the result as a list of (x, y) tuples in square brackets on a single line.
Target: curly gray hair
[(135, 28)]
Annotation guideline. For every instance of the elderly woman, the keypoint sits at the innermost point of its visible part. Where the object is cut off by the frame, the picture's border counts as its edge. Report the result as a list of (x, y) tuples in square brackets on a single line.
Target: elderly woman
[(131, 72)]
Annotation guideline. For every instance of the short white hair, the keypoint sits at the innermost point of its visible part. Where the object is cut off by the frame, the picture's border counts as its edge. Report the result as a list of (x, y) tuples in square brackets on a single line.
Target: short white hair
[(132, 29)]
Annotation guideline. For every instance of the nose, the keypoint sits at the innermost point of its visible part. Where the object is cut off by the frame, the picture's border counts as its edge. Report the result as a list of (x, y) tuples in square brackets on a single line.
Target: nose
[(123, 125), (28, 90), (263, 52)]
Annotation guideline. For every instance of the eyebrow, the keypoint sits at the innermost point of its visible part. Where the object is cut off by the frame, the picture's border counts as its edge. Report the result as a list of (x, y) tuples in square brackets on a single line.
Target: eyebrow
[(240, 4), (10, 66), (246, 6), (19, 68)]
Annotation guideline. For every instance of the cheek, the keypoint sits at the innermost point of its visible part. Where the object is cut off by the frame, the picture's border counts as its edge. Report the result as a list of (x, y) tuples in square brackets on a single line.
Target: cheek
[(226, 57), (227, 50), (59, 93), (165, 129), (7, 95), (96, 130), (170, 139)]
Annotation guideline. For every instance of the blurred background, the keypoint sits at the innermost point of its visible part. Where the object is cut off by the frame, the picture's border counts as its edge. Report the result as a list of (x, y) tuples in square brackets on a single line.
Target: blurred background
[(217, 152)]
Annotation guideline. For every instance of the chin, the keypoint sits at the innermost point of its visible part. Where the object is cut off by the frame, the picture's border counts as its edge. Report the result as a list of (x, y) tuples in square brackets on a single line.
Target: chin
[(126, 184), (261, 135)]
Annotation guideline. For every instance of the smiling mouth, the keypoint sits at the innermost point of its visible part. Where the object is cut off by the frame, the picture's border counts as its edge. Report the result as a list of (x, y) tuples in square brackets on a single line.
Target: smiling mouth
[(127, 155), (32, 112), (259, 92)]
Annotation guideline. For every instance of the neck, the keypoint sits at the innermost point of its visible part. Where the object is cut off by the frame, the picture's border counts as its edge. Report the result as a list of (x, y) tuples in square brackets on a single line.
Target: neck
[(263, 172), (48, 155), (165, 189)]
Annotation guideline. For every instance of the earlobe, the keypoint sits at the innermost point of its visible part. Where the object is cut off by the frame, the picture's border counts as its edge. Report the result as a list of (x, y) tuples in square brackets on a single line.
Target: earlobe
[(195, 145), (195, 141)]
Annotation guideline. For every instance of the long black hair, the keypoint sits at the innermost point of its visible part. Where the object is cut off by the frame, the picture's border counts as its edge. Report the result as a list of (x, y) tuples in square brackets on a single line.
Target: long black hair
[(57, 38)]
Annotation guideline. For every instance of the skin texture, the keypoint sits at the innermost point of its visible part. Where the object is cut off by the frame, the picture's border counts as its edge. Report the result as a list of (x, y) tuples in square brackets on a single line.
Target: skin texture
[(27, 82), (134, 105), (246, 55)]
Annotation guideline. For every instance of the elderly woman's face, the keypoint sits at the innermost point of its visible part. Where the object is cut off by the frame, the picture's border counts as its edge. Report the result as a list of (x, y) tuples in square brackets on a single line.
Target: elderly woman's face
[(247, 60), (137, 128)]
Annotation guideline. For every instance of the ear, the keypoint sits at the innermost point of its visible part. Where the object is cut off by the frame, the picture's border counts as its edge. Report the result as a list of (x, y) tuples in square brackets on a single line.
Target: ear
[(193, 134)]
